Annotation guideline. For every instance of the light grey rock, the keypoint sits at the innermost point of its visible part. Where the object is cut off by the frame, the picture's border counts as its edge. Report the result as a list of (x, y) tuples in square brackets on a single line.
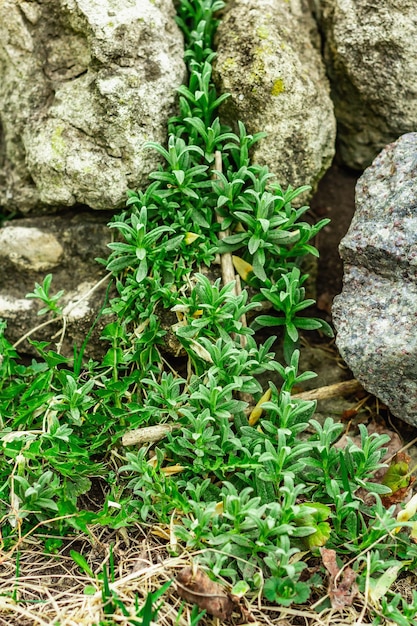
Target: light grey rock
[(376, 314), (30, 248), (371, 57), (65, 246), (83, 84), (268, 62)]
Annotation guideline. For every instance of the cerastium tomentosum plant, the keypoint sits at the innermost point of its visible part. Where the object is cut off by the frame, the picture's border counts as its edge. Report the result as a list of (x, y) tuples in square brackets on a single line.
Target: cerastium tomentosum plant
[(256, 491)]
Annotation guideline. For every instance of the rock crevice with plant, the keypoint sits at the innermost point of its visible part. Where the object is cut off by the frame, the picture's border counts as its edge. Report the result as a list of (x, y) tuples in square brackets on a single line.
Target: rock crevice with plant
[(239, 474)]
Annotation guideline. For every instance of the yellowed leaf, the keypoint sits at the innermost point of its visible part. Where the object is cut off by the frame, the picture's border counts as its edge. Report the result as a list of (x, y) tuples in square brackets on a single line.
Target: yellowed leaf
[(161, 531), (218, 509), (190, 238), (170, 470), (378, 587), (256, 413), (242, 267), (405, 514)]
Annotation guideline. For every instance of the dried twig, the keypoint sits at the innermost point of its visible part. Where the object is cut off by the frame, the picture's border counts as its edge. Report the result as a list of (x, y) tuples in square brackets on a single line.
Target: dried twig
[(344, 388), (228, 271), (149, 434)]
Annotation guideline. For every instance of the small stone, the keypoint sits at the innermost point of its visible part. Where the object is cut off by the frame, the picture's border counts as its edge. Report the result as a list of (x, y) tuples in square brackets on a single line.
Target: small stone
[(376, 314), (30, 248)]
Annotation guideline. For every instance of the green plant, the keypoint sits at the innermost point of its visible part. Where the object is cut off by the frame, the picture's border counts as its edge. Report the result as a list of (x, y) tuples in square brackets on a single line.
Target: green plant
[(351, 467), (212, 311), (396, 609), (41, 292), (140, 248), (265, 231), (256, 491), (287, 298)]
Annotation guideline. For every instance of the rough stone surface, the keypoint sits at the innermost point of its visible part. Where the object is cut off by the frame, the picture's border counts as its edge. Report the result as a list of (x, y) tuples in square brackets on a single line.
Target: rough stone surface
[(66, 246), (376, 314), (30, 248), (83, 84), (268, 62), (371, 56)]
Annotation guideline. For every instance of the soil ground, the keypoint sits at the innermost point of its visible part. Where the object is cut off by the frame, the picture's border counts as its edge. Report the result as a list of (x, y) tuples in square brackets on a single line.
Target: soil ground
[(335, 199)]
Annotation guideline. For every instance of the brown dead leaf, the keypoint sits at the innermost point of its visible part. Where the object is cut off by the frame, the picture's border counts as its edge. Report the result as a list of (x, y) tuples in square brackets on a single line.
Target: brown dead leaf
[(402, 457), (141, 561), (342, 588), (198, 588), (397, 496), (348, 414), (162, 531)]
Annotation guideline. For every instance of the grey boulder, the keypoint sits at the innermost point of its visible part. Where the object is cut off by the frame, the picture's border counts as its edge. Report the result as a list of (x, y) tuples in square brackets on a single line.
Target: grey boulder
[(83, 84), (371, 57), (375, 316), (268, 61)]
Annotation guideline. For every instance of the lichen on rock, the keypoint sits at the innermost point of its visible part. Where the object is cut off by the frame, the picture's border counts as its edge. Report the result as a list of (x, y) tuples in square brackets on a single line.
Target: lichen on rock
[(268, 62), (82, 86), (371, 57)]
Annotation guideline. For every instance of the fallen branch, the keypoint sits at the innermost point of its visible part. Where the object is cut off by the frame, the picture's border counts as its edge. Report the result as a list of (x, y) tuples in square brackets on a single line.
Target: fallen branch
[(228, 271), (226, 260), (345, 388)]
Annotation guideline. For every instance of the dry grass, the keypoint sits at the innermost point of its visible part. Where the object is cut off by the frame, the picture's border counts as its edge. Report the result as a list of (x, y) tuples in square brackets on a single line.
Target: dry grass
[(41, 589), (38, 589)]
